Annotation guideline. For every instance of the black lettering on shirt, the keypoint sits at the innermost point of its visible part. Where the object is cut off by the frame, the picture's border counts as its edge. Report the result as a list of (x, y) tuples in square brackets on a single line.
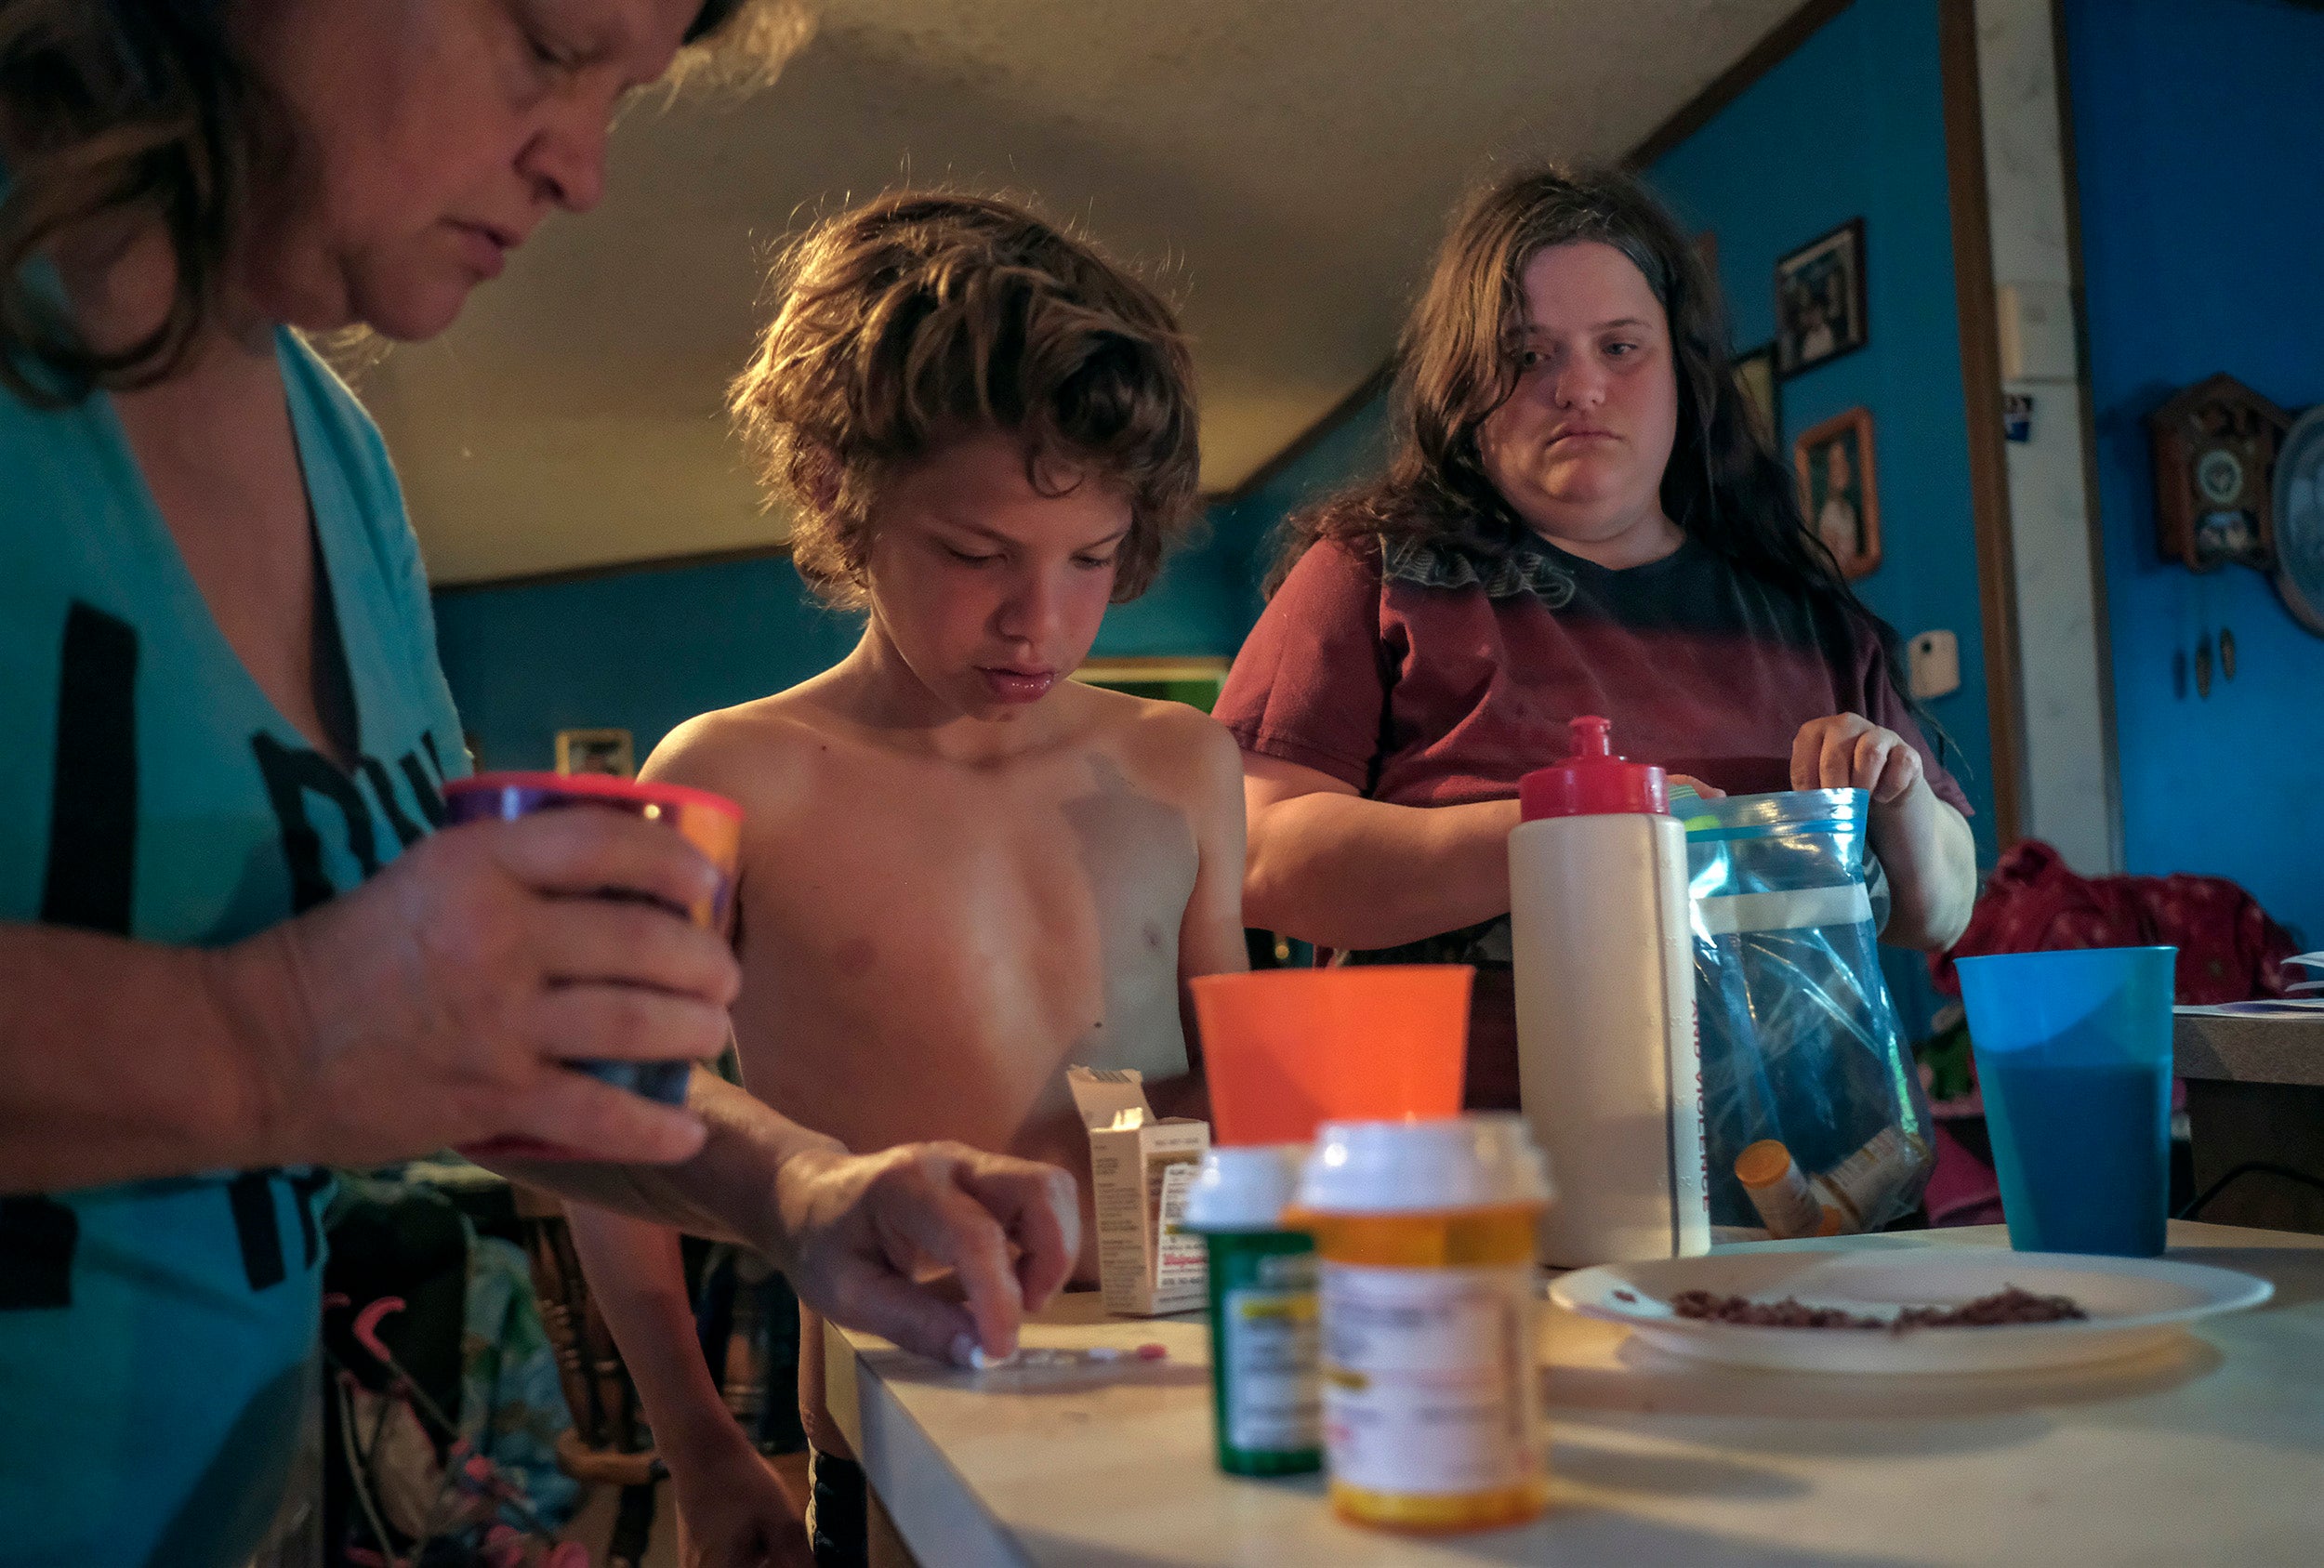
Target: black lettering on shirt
[(251, 1195), (292, 774), (407, 832), (37, 1238), (93, 808)]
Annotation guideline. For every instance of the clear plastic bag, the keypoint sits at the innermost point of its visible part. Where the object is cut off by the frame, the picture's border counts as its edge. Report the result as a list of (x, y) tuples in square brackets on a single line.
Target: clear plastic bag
[(1800, 1046)]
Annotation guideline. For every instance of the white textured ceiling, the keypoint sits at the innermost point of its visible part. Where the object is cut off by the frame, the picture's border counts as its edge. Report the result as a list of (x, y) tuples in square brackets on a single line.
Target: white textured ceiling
[(1281, 167)]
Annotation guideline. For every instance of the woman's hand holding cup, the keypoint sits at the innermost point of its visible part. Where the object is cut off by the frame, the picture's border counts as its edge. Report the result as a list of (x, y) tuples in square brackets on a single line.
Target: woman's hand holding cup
[(437, 1004)]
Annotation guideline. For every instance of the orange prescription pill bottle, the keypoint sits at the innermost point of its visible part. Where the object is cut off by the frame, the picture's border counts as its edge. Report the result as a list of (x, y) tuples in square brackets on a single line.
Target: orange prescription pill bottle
[(1432, 1388)]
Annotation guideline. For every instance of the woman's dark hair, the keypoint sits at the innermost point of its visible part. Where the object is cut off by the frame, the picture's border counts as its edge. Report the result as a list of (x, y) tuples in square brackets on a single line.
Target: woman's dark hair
[(118, 107), (1724, 485)]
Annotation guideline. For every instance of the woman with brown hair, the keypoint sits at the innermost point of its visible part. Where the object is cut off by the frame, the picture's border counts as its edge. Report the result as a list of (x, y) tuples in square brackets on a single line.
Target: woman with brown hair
[(1578, 517), (234, 952)]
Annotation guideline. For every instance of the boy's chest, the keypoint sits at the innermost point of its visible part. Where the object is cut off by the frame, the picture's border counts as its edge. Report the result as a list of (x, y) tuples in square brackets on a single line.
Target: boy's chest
[(1061, 881)]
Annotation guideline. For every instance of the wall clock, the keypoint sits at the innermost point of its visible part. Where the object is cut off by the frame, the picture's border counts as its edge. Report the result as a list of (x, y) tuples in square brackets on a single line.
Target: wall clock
[(2215, 446), (2299, 505)]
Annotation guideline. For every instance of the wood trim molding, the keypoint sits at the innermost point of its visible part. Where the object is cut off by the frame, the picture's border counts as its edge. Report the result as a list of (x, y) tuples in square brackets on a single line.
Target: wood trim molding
[(2101, 616), (1731, 84), (1981, 386), (612, 569)]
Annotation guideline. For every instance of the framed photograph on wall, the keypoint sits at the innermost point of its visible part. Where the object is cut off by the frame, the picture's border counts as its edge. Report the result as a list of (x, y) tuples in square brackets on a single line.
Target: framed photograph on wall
[(1194, 680), (1820, 312), (1834, 461), (596, 751), (1763, 393)]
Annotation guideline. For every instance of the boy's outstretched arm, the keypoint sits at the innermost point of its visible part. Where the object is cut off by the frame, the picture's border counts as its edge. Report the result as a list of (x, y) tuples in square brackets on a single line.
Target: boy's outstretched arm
[(1210, 936)]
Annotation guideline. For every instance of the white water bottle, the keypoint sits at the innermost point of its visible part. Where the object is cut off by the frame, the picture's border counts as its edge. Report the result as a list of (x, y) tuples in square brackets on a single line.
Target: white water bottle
[(1609, 1063)]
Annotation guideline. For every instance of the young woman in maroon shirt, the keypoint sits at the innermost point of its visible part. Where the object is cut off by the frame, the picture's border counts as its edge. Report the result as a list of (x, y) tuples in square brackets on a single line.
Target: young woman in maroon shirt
[(1578, 517)]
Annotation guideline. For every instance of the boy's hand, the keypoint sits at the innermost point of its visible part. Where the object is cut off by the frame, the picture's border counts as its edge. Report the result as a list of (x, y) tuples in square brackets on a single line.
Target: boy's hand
[(734, 1513), (1848, 751), (864, 1228)]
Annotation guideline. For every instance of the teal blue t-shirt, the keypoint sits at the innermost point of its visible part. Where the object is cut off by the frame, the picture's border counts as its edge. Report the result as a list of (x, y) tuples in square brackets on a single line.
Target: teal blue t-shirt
[(157, 1340)]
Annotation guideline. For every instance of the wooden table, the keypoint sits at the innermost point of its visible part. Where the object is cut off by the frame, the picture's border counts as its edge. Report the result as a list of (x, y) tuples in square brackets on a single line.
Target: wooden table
[(2211, 1452)]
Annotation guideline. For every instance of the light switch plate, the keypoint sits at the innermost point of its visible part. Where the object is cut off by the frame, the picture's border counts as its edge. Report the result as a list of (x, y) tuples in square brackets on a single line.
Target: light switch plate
[(1935, 661), (2036, 323)]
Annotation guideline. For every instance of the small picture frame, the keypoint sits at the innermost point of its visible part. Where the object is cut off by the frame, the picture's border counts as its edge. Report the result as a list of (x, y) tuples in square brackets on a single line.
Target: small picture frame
[(1762, 393), (1838, 491), (596, 751), (1820, 309), (1194, 680)]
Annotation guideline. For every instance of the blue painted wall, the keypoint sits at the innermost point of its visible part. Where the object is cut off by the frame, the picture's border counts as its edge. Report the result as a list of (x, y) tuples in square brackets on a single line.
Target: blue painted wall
[(2196, 130), (1852, 124), (644, 651), (641, 650)]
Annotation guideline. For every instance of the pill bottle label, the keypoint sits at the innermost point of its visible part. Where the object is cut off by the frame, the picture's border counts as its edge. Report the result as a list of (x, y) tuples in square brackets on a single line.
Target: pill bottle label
[(1430, 1386), (1269, 1342), (1866, 1181)]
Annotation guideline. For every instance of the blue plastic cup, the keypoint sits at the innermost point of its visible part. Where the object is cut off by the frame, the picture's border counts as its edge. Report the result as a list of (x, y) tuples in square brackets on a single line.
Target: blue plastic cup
[(2074, 1060)]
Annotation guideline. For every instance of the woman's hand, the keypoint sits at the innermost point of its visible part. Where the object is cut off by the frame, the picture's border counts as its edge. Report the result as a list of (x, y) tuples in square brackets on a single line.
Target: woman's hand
[(437, 1004), (733, 1512), (865, 1231), (1921, 838), (1848, 751)]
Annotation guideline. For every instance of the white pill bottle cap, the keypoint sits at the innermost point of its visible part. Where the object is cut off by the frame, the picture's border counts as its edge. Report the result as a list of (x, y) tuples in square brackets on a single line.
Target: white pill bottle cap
[(1244, 1189), (1487, 1160)]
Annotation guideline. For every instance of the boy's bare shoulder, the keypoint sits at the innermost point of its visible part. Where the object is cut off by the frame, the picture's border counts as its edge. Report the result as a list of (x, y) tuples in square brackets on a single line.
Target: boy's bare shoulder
[(759, 752), (1180, 749)]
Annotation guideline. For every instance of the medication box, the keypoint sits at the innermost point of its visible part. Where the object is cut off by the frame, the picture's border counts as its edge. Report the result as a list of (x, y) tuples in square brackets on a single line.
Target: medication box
[(1140, 1169)]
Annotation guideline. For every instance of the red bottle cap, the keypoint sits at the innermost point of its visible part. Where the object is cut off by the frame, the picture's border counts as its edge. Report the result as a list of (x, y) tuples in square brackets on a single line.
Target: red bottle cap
[(1594, 782)]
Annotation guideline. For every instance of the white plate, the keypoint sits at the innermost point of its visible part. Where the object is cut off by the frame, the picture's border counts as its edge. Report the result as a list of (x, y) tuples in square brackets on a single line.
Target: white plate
[(2135, 1305)]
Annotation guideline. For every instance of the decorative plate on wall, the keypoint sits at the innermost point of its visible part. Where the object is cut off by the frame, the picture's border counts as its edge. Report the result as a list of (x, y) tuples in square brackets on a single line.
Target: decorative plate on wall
[(2300, 521)]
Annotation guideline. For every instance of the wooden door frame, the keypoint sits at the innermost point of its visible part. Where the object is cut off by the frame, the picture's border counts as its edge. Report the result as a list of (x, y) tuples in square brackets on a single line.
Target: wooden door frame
[(1981, 387)]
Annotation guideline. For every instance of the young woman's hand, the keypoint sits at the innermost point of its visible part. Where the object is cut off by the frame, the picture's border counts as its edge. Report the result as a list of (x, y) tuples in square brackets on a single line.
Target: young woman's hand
[(437, 1004), (1848, 751), (865, 1231), (734, 1513)]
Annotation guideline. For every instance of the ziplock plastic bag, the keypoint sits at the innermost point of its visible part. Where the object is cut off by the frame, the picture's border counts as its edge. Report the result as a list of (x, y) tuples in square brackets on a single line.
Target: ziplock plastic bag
[(1800, 1041)]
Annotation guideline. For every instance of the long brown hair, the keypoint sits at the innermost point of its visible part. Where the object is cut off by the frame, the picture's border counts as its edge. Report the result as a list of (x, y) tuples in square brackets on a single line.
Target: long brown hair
[(148, 108), (1457, 363)]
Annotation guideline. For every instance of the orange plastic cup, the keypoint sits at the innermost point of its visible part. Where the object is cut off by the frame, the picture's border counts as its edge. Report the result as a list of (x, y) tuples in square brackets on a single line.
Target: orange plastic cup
[(1286, 1050)]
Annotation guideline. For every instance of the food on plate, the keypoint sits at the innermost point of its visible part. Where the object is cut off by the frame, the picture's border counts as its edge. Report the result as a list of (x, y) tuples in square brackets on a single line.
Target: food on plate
[(2009, 1305)]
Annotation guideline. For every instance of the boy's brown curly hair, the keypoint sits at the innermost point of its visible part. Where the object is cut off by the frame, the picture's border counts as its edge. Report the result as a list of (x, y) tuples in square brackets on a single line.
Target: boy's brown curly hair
[(920, 316)]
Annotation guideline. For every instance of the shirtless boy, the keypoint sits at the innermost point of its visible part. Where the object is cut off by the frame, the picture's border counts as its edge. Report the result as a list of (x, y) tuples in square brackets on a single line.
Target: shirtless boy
[(962, 871)]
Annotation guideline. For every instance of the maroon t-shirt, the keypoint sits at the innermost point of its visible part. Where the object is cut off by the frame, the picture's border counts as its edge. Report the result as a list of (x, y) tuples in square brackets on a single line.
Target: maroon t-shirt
[(1430, 679)]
